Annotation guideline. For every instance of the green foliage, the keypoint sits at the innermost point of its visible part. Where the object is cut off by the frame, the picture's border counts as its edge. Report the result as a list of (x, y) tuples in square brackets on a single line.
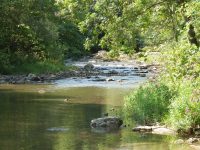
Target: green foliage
[(149, 103), (107, 27), (36, 32), (27, 34), (185, 108), (123, 25), (47, 66), (5, 62), (182, 74), (71, 39)]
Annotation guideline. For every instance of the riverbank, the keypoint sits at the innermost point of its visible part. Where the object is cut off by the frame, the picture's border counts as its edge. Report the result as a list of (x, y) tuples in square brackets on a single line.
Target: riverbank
[(194, 141), (173, 99)]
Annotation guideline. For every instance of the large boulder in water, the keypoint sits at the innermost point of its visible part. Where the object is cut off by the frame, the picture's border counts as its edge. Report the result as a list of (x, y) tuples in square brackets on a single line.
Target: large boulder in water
[(110, 123)]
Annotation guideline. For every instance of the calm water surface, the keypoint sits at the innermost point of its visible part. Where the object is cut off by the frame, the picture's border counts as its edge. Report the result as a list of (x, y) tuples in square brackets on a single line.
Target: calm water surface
[(36, 117)]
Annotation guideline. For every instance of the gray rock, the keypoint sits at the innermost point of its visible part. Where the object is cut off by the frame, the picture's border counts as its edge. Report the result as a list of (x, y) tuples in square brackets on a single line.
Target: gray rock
[(111, 123), (36, 78), (163, 131), (89, 67), (154, 129), (33, 77), (2, 81), (99, 80), (112, 72), (142, 75), (136, 68), (192, 140), (21, 81), (143, 67)]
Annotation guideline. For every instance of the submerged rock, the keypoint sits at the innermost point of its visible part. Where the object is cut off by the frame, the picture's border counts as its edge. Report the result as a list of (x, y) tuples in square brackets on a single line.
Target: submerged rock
[(110, 123)]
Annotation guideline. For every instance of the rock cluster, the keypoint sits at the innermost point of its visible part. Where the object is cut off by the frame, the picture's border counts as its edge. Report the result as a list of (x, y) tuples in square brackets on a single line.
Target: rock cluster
[(154, 129)]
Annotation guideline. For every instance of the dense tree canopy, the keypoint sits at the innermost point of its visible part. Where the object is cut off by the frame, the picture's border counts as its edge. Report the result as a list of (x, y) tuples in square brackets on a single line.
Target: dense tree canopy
[(34, 31), (49, 30), (130, 25)]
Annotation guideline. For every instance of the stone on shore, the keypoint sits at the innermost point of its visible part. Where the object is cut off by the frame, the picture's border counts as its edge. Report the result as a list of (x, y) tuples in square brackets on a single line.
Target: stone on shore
[(163, 131), (154, 130), (192, 140)]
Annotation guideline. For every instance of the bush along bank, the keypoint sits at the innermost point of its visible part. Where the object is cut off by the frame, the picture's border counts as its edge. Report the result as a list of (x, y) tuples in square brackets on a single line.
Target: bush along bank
[(174, 98)]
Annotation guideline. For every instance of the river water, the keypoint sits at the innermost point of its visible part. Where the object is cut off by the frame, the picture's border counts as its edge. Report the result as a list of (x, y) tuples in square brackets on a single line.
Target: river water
[(57, 117)]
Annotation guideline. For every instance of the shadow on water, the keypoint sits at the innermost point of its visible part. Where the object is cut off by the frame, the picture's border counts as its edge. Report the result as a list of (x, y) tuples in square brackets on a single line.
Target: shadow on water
[(30, 120)]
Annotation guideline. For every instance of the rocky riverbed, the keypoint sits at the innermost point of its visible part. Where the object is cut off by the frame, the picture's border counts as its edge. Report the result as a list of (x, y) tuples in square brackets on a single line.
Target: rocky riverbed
[(91, 70)]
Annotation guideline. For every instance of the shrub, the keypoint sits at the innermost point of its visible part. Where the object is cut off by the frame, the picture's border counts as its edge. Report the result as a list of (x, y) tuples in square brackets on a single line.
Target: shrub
[(182, 73), (185, 108), (149, 103)]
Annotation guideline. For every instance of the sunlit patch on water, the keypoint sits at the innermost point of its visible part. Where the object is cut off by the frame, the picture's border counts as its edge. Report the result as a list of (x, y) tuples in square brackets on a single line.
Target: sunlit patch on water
[(58, 129)]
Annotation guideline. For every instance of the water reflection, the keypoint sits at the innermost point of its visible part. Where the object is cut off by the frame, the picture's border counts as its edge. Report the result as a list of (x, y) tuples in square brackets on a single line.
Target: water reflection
[(33, 121)]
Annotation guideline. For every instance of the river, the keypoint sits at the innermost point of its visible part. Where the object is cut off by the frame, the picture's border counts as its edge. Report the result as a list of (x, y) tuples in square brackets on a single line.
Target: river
[(57, 117)]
